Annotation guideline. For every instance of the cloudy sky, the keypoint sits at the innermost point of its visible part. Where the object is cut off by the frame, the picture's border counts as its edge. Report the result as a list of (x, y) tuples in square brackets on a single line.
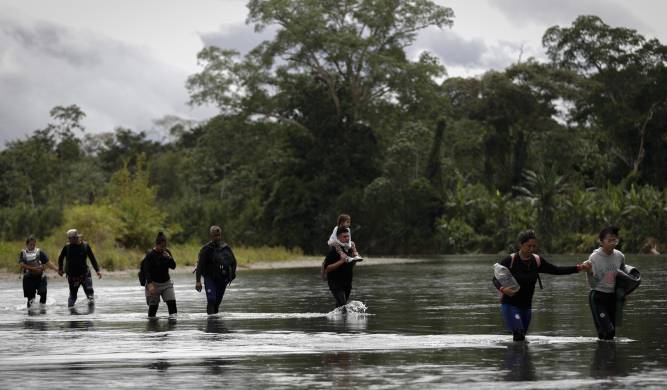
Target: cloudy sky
[(125, 62)]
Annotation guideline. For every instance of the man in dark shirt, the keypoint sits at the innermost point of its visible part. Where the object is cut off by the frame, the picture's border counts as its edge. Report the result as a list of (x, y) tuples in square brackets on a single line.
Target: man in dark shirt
[(217, 265), (78, 274), (339, 269)]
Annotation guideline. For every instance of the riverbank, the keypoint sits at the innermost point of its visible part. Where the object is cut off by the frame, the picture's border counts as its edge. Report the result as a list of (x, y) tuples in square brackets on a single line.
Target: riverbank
[(303, 262), (112, 258)]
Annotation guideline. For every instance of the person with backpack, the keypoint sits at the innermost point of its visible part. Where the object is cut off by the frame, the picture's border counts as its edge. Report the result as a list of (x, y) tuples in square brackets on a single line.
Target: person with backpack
[(217, 264), (72, 261), (32, 261), (525, 266), (155, 267)]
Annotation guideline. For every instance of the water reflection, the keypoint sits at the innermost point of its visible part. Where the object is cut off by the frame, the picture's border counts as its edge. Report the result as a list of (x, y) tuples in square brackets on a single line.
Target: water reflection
[(216, 367), (518, 363), (157, 325), (340, 366), (215, 324), (35, 325), (160, 366), (608, 361), (80, 325), (349, 322)]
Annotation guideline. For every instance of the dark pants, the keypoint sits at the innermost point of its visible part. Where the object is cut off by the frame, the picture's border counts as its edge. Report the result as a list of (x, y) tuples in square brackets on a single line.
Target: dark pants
[(215, 291), (34, 284), (603, 308), (86, 281), (341, 292), (516, 319)]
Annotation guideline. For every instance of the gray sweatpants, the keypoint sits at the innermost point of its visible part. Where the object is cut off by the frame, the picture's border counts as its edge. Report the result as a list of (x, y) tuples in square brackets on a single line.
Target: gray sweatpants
[(164, 290)]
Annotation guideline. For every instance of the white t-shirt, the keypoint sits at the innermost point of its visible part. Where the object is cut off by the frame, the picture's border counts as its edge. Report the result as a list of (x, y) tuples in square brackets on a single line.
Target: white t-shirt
[(602, 276)]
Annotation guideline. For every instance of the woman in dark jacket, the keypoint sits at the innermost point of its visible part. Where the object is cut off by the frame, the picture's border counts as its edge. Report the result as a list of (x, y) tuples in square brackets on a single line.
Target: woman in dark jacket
[(156, 266), (525, 266)]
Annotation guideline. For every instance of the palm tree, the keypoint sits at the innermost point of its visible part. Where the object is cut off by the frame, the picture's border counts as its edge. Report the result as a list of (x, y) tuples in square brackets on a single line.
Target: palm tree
[(542, 189)]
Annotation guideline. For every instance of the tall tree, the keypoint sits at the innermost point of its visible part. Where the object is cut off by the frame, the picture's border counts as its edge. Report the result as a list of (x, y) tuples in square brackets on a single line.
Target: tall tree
[(624, 76)]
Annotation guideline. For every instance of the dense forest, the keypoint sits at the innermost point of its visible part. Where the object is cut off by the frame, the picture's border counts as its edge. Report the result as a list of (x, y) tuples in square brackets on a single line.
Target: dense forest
[(332, 116)]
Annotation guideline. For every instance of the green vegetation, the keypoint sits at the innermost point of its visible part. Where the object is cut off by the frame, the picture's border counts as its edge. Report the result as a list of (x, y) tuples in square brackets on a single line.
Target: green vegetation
[(114, 258), (332, 116)]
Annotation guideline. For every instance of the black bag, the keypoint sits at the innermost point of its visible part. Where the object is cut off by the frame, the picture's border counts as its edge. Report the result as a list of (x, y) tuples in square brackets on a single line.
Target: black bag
[(142, 275)]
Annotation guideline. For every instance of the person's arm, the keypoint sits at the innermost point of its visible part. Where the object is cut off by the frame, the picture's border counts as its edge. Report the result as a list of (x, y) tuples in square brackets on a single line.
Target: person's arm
[(509, 291), (353, 249), (170, 260), (93, 261), (61, 259), (148, 268), (334, 266), (233, 265), (45, 261), (548, 268), (339, 250), (200, 262)]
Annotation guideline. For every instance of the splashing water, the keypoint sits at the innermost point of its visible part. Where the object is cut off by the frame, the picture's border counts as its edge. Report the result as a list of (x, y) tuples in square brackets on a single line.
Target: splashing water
[(353, 307)]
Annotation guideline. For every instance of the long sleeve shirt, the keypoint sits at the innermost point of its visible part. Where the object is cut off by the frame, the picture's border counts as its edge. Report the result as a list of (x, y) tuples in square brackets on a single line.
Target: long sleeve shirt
[(525, 272), (157, 265), (76, 255)]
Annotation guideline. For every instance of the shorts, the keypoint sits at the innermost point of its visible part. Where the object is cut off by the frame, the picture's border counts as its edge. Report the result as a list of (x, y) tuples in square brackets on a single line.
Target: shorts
[(164, 290)]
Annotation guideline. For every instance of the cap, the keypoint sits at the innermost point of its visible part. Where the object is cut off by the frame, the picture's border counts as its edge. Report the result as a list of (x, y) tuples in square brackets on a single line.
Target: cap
[(72, 233)]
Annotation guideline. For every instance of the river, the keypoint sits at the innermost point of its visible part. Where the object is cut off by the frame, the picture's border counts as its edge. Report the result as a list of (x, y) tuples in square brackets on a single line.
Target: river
[(432, 324)]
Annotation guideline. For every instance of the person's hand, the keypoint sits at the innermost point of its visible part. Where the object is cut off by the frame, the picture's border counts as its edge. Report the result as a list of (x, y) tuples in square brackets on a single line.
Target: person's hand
[(60, 272), (198, 286), (99, 274), (509, 291), (585, 266), (151, 288)]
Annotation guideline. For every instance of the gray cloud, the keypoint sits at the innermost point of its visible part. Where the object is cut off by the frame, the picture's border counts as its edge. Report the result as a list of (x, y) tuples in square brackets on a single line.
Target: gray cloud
[(564, 12), (457, 52), (451, 48), (239, 37), (43, 65)]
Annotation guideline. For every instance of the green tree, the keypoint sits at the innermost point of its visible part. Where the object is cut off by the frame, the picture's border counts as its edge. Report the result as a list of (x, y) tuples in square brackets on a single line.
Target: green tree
[(543, 188), (621, 92), (132, 202)]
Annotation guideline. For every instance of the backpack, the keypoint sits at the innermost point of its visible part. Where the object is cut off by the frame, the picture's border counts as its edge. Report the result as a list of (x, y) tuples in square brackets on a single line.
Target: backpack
[(141, 274), (538, 261)]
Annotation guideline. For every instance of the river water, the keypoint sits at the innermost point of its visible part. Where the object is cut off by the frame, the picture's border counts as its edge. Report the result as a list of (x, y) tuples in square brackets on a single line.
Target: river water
[(433, 324)]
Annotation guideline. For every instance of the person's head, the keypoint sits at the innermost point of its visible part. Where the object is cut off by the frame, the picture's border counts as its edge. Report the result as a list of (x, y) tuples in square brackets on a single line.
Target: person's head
[(344, 220), (343, 235), (30, 243), (216, 233), (73, 236), (527, 242), (160, 242), (609, 238)]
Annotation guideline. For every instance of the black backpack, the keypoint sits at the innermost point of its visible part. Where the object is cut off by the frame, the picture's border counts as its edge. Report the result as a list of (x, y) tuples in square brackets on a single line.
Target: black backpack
[(141, 274)]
